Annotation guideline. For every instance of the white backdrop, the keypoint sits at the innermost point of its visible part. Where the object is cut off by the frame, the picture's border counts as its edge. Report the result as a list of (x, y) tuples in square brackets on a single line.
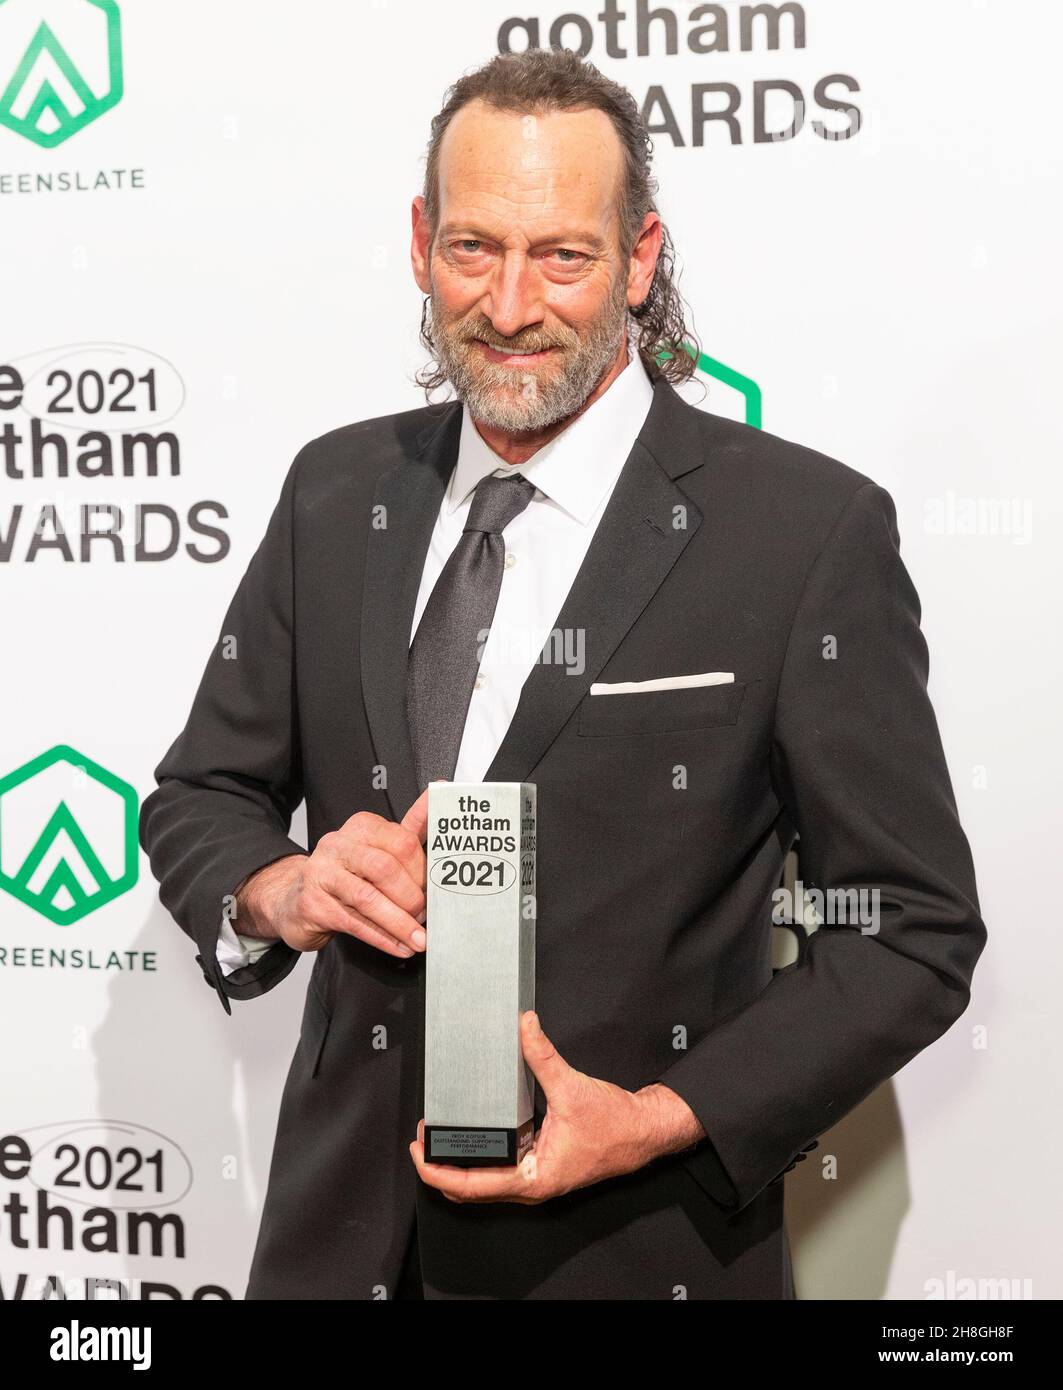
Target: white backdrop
[(217, 259)]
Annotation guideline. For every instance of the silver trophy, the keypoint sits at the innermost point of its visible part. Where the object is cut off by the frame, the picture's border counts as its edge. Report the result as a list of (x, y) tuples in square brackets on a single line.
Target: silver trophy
[(479, 972)]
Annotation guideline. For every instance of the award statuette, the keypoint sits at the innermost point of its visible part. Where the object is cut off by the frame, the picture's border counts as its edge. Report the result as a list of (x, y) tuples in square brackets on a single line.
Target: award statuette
[(479, 972)]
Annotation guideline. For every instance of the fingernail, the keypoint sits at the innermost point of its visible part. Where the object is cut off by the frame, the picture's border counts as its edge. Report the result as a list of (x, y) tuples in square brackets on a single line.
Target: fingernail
[(422, 915), (418, 938)]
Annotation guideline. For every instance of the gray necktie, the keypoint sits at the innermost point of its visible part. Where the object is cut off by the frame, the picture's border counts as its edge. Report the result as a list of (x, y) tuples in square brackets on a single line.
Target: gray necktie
[(445, 655)]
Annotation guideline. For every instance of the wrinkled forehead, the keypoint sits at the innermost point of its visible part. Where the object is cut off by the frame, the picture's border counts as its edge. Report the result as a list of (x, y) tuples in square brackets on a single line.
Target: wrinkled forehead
[(527, 173)]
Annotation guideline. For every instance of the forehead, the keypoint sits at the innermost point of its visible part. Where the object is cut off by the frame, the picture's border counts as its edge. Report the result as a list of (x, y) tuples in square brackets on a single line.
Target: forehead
[(530, 168)]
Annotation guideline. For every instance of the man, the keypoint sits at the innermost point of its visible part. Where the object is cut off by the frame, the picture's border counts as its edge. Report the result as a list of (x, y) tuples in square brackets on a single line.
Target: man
[(730, 657)]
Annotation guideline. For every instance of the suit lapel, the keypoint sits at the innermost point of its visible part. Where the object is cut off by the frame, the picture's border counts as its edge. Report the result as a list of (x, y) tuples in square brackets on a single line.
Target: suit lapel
[(635, 545), (408, 498)]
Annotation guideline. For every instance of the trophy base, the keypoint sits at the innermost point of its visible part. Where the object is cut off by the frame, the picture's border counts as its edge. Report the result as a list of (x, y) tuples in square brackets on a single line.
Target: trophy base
[(464, 1147)]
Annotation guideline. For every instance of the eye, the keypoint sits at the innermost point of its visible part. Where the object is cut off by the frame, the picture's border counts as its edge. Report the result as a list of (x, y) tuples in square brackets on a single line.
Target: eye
[(470, 245), (566, 252)]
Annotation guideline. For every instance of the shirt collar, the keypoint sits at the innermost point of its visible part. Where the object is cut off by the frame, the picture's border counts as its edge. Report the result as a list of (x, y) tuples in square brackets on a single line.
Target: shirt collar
[(577, 466)]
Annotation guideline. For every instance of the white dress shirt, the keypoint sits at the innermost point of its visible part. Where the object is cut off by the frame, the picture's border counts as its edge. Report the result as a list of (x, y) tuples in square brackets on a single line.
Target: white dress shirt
[(574, 476)]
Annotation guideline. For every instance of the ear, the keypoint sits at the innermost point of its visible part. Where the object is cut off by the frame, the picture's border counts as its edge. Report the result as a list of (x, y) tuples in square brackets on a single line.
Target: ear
[(644, 259), (420, 246)]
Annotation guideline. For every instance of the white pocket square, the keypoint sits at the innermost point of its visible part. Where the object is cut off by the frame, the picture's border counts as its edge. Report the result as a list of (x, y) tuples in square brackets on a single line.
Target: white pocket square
[(663, 683)]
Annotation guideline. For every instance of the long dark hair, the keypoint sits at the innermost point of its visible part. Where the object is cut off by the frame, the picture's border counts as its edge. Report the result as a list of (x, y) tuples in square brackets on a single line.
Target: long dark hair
[(543, 80)]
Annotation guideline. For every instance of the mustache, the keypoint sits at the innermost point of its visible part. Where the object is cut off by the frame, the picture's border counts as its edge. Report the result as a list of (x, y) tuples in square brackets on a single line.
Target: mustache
[(487, 334)]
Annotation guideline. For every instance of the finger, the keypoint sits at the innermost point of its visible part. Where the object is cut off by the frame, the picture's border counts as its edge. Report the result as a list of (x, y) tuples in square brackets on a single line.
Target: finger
[(366, 827), (471, 1184), (417, 1154), (481, 1185), (326, 912), (381, 867), (424, 1168), (366, 899), (551, 1070), (416, 818), (460, 1184), (362, 929)]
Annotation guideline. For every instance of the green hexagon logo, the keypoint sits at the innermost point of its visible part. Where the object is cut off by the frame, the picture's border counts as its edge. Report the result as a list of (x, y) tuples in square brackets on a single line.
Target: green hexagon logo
[(60, 66), (68, 835), (744, 385)]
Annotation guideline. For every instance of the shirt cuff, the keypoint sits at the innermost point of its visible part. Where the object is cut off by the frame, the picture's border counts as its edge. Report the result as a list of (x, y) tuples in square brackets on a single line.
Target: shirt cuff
[(235, 951)]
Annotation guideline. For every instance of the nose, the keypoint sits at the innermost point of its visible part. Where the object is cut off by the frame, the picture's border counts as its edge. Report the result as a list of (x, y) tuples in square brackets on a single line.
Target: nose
[(514, 296)]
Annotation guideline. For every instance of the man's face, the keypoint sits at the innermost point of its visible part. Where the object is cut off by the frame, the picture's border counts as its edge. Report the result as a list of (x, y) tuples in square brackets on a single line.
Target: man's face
[(528, 289)]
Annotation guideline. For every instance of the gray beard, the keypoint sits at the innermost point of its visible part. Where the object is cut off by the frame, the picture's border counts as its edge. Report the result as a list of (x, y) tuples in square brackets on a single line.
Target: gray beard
[(518, 402)]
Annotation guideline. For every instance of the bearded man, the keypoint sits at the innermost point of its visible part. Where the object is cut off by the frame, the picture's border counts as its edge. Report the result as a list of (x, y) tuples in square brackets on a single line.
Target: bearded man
[(401, 621)]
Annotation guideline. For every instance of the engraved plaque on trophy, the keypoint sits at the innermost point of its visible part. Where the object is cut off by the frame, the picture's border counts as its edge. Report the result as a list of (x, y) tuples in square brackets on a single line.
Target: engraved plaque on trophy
[(479, 972)]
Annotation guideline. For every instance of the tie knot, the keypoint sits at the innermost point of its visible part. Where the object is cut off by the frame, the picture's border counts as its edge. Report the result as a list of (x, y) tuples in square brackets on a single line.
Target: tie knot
[(497, 501)]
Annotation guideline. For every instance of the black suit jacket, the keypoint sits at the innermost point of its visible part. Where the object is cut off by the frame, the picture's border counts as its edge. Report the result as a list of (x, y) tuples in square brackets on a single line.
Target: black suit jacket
[(664, 819)]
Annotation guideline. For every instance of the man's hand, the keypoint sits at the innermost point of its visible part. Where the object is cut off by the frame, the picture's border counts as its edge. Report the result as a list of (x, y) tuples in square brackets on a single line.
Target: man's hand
[(366, 879), (592, 1130)]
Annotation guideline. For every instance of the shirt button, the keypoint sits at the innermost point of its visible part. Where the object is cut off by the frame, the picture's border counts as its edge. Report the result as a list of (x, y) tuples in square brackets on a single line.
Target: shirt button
[(511, 559), (480, 682)]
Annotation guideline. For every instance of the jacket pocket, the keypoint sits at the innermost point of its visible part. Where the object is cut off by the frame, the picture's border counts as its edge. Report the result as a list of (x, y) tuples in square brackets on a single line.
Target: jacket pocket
[(659, 711), (313, 1030)]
